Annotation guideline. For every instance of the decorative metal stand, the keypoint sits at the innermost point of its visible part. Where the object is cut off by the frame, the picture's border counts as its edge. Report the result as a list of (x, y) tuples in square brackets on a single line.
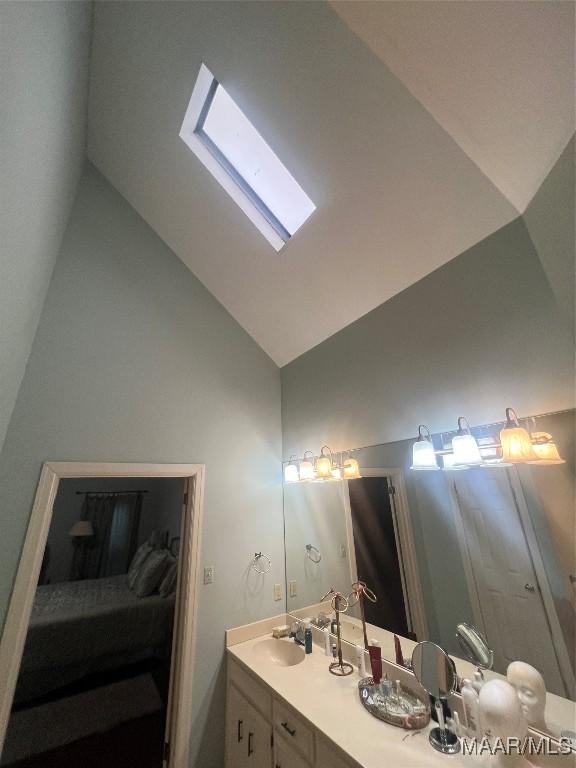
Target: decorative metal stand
[(356, 597), (339, 603)]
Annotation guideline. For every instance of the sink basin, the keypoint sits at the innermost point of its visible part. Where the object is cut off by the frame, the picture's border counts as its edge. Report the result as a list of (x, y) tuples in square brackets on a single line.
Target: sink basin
[(282, 653)]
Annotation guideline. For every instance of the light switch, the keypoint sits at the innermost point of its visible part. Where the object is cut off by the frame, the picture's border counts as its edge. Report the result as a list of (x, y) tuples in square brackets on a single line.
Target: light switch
[(277, 591), (209, 574), (293, 588)]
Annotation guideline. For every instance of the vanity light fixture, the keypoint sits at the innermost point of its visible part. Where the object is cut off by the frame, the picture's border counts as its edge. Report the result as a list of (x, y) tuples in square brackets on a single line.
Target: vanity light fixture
[(423, 456), (306, 469), (515, 441), (291, 471), (324, 464), (464, 446), (545, 449)]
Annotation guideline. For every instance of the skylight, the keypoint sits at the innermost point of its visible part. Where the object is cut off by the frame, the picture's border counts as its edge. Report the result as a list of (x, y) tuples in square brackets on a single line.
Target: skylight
[(224, 139)]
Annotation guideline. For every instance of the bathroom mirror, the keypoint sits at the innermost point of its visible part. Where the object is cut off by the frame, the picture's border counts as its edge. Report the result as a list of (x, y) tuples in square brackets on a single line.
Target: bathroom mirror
[(474, 647), (486, 547)]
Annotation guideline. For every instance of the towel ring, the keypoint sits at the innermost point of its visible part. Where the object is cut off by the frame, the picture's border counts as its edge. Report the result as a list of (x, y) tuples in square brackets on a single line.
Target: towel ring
[(339, 602), (255, 564), (313, 553), (359, 588)]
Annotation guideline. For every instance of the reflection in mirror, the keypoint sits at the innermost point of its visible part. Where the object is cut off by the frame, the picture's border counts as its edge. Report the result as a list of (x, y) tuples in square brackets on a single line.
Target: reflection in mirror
[(489, 547), (474, 646), (95, 670)]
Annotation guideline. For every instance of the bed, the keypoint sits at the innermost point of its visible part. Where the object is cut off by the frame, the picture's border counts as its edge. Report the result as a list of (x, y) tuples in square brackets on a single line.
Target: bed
[(82, 627)]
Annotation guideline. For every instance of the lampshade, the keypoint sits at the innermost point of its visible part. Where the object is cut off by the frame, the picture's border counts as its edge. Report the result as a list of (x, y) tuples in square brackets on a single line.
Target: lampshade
[(291, 471), (423, 456), (82, 528), (515, 441), (545, 449), (324, 464), (306, 469), (350, 469), (464, 446)]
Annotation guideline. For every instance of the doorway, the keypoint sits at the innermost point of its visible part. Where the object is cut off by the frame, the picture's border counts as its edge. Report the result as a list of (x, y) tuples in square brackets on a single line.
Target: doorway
[(506, 592), (96, 657)]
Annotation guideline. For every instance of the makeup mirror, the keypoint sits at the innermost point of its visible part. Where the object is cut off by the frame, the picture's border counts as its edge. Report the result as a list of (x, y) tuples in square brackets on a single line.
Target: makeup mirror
[(474, 646), (435, 672)]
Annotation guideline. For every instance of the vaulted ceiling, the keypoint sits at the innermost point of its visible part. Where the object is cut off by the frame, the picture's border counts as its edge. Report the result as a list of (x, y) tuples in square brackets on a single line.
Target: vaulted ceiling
[(418, 129)]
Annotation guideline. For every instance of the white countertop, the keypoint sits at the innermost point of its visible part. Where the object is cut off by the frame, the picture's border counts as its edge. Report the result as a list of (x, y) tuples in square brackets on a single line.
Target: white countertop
[(333, 707)]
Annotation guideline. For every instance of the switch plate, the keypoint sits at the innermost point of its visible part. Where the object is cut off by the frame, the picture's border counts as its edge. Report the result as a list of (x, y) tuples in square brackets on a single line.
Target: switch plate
[(209, 574), (293, 588), (277, 591)]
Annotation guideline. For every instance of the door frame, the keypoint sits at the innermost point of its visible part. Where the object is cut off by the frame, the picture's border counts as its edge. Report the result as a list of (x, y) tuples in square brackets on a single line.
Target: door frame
[(543, 585), (404, 533), (179, 710)]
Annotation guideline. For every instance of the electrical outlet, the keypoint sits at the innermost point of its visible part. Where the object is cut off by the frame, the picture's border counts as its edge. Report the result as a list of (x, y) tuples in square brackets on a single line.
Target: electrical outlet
[(209, 574), (293, 589), (277, 591), (342, 550)]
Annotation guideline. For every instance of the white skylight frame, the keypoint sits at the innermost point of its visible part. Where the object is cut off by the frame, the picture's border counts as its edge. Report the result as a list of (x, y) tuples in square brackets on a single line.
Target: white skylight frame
[(274, 202)]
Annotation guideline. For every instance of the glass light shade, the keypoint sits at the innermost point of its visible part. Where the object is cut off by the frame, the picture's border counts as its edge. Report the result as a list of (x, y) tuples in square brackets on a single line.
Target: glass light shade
[(351, 469), (306, 470), (291, 473), (516, 445), (324, 466), (545, 449), (423, 456), (466, 450)]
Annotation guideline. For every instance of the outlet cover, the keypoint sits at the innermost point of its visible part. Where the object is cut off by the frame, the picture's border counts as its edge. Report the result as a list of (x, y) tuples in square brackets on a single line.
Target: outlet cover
[(277, 591), (293, 589)]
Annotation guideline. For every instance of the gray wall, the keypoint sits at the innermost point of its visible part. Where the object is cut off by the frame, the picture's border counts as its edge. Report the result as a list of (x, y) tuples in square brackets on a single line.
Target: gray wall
[(482, 332), (161, 510), (550, 220), (135, 361), (44, 51)]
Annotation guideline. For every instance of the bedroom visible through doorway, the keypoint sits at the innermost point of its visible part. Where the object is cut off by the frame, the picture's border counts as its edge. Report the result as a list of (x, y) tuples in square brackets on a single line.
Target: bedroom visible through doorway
[(97, 683)]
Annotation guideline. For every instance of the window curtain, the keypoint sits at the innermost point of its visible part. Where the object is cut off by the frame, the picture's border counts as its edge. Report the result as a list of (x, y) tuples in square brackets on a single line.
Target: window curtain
[(115, 521)]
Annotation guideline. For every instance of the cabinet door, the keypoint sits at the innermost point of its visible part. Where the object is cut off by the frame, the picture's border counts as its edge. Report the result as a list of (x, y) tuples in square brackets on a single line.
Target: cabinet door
[(258, 740), (236, 729), (285, 756)]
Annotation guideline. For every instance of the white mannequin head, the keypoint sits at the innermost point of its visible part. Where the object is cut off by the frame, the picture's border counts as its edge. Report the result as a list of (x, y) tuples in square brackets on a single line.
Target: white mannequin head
[(531, 690), (501, 718)]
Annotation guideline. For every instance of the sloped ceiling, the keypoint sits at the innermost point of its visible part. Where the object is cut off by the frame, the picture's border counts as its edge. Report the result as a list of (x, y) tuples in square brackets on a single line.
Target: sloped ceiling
[(396, 195), (498, 76)]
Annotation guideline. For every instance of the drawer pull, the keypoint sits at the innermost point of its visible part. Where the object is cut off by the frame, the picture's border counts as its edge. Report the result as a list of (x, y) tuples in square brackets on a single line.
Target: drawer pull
[(240, 730), (250, 737), (291, 731)]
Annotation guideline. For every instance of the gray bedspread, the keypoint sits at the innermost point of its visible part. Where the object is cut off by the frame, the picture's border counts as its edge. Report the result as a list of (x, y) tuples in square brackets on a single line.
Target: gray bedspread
[(80, 627)]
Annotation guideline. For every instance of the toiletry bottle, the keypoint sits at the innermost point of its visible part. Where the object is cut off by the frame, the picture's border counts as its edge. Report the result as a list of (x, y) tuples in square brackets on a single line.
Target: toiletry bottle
[(471, 707), (334, 651), (375, 652), (398, 651), (327, 648), (478, 681), (307, 637), (361, 660)]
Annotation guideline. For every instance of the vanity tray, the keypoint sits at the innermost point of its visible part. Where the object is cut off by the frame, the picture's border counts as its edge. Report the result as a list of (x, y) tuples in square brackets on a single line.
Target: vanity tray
[(405, 710)]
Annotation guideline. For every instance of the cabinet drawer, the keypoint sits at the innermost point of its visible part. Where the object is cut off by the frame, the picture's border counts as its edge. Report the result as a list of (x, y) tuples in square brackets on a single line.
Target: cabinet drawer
[(285, 756), (294, 729), (328, 757), (251, 688)]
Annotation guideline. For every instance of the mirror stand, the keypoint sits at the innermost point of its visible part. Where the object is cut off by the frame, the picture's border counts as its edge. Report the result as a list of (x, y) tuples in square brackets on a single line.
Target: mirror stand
[(440, 737)]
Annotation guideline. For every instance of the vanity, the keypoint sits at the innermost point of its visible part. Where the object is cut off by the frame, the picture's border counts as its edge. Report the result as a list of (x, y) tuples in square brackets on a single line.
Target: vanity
[(284, 710)]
